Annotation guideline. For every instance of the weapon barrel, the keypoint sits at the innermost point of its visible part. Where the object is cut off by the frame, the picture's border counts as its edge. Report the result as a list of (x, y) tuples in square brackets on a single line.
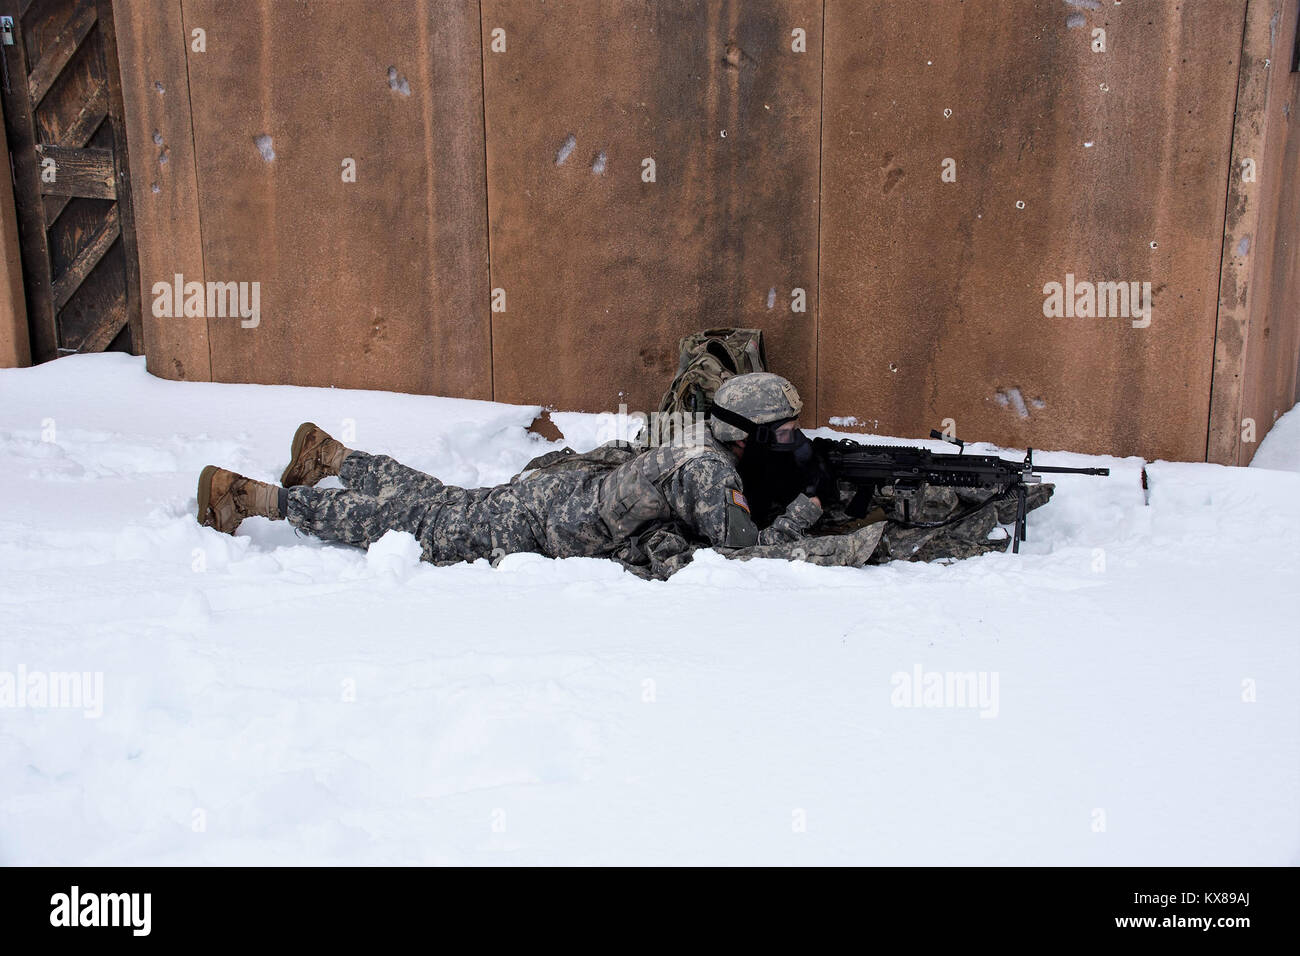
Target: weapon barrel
[(1057, 470)]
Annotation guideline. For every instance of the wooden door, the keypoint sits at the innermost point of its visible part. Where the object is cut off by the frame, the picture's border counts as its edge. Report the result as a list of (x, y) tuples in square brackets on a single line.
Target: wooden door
[(62, 100)]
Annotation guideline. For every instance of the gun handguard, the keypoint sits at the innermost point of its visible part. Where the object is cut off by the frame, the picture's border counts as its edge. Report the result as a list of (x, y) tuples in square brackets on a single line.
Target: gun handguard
[(910, 468)]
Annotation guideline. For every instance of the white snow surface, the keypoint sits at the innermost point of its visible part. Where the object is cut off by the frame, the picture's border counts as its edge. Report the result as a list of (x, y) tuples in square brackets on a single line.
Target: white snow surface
[(1280, 449), (272, 699)]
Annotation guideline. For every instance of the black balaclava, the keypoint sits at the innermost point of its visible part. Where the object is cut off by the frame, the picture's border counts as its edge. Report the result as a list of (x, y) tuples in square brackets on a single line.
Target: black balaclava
[(774, 473)]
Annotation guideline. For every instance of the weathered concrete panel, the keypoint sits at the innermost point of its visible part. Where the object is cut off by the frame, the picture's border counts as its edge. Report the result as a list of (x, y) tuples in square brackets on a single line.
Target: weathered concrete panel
[(934, 290), (164, 193), (604, 272), (1259, 320), (1107, 166), (377, 283)]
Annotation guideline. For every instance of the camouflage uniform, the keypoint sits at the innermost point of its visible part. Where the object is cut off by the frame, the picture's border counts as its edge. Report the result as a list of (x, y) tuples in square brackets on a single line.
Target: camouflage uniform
[(966, 538), (646, 508)]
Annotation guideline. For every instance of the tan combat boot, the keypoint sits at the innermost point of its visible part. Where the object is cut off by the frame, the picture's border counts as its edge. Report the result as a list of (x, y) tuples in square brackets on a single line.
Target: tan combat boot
[(226, 499), (313, 456)]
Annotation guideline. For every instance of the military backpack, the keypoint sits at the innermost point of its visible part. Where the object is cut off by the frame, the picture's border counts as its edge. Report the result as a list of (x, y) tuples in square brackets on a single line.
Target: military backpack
[(705, 360)]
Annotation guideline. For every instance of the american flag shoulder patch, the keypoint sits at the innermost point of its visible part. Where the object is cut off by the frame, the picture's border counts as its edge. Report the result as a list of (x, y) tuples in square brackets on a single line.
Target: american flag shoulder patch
[(738, 499)]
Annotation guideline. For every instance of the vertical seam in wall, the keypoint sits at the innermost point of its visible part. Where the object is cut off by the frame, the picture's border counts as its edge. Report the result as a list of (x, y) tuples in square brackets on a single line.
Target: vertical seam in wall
[(487, 204), (1227, 198), (817, 320), (194, 160)]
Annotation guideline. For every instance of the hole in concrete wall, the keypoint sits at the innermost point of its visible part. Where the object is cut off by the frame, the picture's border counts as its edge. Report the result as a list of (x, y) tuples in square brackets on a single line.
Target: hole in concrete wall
[(157, 138), (566, 149), (263, 144)]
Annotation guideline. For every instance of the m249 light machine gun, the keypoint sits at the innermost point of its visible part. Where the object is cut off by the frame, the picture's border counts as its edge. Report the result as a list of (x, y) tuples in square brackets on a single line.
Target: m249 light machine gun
[(908, 471)]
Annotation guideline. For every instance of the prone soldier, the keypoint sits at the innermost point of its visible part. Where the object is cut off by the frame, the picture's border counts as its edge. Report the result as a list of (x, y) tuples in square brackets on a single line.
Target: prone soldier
[(648, 508)]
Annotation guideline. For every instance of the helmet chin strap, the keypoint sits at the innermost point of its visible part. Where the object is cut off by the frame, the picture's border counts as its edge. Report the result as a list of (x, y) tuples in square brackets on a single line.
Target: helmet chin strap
[(762, 433)]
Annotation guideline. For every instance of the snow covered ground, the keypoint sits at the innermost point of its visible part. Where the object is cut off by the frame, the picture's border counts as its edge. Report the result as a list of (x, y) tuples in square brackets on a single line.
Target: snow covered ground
[(270, 699)]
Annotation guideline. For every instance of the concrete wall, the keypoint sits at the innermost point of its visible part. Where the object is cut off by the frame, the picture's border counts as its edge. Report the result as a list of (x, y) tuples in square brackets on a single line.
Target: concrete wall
[(504, 238), (1102, 166), (332, 154), (1255, 372), (604, 271)]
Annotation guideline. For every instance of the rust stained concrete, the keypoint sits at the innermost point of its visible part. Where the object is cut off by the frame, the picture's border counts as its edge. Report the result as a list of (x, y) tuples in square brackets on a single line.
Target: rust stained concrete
[(603, 272), (1273, 358), (932, 292), (1259, 322), (377, 283), (164, 186)]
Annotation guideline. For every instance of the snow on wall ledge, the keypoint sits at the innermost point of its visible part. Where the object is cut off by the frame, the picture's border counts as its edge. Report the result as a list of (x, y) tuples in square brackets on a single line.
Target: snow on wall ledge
[(270, 699)]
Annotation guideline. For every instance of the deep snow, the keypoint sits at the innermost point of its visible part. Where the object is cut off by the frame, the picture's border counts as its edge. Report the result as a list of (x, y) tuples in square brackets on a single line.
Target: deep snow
[(270, 699)]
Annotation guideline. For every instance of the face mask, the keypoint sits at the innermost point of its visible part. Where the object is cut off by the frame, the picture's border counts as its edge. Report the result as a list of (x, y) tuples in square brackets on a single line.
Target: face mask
[(799, 446), (796, 444), (775, 472)]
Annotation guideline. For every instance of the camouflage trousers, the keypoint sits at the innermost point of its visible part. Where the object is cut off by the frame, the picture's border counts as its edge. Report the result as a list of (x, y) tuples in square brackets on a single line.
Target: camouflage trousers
[(380, 494)]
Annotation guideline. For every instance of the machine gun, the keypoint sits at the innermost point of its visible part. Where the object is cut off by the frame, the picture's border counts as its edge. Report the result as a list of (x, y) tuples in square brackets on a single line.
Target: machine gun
[(909, 470)]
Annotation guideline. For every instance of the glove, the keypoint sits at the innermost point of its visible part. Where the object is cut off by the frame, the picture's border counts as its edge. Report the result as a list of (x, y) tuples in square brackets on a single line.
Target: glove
[(816, 478)]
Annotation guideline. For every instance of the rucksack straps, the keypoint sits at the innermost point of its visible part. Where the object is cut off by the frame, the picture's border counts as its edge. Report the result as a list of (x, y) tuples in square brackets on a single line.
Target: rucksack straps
[(707, 359)]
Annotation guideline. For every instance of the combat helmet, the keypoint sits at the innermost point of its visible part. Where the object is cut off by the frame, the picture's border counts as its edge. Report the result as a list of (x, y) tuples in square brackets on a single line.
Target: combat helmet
[(743, 404)]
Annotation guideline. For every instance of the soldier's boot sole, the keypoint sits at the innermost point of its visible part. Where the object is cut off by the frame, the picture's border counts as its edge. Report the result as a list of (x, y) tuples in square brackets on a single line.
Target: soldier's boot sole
[(313, 455)]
